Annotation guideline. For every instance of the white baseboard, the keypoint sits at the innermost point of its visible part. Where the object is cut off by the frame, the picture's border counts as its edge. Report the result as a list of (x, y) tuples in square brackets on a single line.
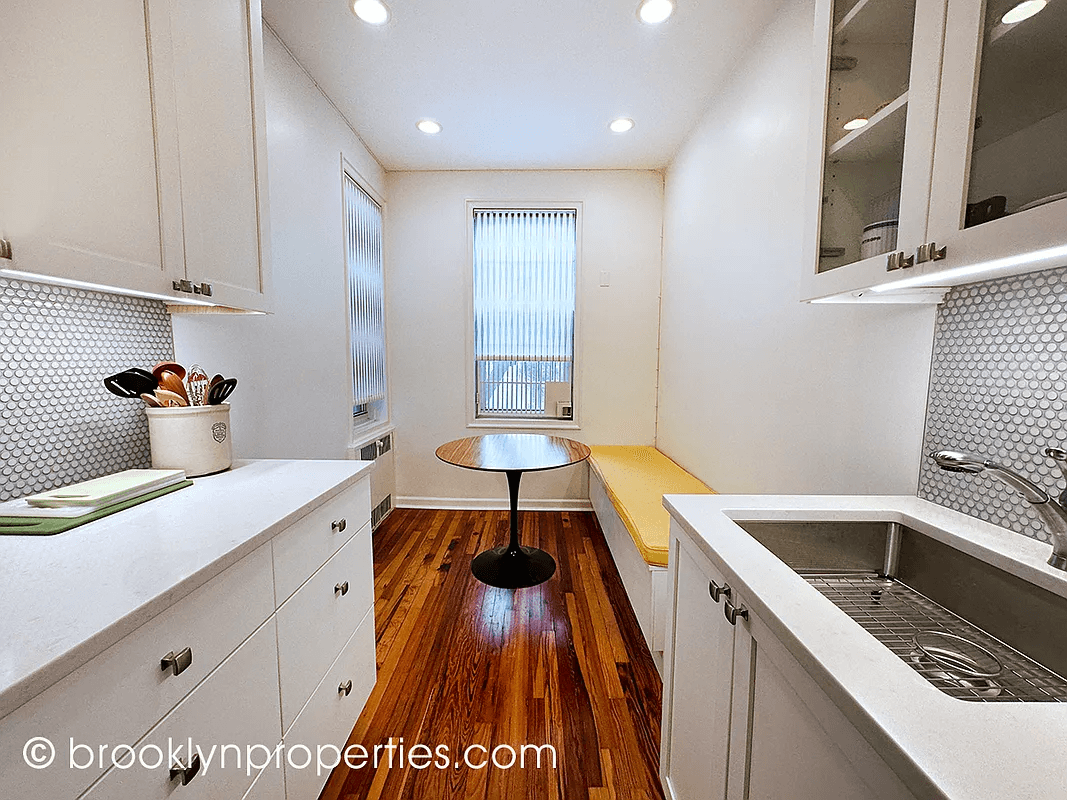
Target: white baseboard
[(491, 504)]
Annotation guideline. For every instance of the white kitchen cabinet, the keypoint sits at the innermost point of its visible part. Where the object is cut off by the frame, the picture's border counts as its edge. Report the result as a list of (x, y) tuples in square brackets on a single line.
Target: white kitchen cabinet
[(236, 705), (203, 628), (83, 188), (327, 718), (133, 147), (742, 719), (925, 74), (1002, 124), (698, 715), (315, 623), (227, 688), (216, 50)]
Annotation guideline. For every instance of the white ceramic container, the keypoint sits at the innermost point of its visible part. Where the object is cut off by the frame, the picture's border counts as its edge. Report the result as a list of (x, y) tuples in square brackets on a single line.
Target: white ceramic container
[(193, 438)]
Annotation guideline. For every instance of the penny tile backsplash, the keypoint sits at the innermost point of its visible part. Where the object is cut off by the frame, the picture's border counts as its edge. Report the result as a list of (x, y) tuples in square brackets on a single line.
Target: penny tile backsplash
[(998, 387), (58, 424)]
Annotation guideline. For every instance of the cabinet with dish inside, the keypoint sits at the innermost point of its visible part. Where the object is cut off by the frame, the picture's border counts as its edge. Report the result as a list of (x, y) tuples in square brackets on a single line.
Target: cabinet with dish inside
[(939, 159)]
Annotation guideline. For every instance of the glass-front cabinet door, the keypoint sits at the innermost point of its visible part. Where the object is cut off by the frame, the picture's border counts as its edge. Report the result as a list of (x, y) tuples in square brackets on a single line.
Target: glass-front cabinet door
[(998, 200), (879, 85)]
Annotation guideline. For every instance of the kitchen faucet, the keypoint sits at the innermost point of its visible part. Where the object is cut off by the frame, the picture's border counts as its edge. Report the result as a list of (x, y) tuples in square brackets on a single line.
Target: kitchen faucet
[(1052, 511)]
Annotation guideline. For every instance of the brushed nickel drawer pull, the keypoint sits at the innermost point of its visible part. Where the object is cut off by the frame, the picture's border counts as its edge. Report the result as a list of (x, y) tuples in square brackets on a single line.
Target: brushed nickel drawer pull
[(717, 592), (345, 688), (178, 662), (732, 612), (338, 525), (342, 588), (186, 773)]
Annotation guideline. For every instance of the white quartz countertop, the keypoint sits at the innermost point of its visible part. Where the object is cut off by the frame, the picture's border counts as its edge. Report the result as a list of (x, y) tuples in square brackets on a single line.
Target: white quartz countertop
[(66, 598), (941, 747)]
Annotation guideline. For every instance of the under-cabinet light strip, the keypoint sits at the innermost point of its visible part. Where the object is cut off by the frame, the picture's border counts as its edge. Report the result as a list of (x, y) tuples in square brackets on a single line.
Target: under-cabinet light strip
[(981, 268), (99, 287)]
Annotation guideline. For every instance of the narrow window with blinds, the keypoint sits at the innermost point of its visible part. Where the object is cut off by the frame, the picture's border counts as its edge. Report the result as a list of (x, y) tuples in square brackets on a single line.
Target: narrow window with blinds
[(525, 276), (363, 254)]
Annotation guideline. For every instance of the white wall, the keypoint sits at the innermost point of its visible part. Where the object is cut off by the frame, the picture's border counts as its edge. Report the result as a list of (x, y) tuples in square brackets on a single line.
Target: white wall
[(294, 394), (758, 392), (427, 271)]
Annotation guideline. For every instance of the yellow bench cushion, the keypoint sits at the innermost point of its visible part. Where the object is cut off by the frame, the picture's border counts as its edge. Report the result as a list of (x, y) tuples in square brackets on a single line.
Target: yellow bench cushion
[(636, 478)]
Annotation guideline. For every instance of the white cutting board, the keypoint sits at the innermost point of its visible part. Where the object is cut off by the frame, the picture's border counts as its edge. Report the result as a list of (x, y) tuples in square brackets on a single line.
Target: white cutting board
[(107, 490)]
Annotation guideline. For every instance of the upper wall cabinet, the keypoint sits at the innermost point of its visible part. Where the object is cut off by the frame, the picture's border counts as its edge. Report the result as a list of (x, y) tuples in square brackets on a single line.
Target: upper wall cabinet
[(132, 150), (939, 160)]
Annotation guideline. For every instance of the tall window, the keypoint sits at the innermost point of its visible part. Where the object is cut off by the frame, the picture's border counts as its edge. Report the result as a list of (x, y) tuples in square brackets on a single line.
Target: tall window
[(363, 254), (525, 274)]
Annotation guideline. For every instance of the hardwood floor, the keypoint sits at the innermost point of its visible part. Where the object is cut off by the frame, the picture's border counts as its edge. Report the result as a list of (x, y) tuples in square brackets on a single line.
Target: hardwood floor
[(461, 663)]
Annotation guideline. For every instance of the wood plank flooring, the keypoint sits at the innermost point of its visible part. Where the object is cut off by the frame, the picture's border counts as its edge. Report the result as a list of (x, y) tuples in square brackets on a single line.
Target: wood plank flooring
[(461, 663)]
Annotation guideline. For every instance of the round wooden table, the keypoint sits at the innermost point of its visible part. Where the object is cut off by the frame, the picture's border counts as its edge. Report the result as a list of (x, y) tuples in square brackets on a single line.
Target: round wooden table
[(513, 566)]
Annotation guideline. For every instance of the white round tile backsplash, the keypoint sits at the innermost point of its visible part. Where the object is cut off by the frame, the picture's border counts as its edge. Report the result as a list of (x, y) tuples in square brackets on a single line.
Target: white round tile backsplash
[(998, 387), (58, 424)]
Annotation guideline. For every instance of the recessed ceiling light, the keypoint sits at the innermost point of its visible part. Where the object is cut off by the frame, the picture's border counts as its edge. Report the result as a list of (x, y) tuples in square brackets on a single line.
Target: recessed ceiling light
[(655, 11), (1024, 10), (621, 125), (855, 124), (428, 126), (373, 12)]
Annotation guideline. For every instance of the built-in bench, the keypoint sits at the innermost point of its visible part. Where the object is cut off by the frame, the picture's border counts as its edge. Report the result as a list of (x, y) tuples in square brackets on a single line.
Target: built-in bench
[(626, 488)]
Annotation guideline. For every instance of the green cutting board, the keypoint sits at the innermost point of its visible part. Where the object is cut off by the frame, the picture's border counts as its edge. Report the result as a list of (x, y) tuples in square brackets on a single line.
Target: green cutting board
[(48, 526)]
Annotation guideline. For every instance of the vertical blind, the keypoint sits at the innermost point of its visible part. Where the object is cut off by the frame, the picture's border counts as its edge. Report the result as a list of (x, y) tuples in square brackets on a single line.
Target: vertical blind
[(525, 272), (363, 252)]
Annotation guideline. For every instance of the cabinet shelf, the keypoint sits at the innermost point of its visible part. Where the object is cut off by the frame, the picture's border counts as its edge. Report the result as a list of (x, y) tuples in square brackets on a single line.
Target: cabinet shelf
[(881, 21), (881, 139)]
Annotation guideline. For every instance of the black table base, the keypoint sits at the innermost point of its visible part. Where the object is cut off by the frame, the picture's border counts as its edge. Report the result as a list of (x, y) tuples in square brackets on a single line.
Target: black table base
[(513, 566)]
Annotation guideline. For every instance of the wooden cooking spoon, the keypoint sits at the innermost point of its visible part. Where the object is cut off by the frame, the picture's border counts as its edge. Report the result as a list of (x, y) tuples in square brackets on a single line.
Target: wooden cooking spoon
[(169, 399), (169, 366), (172, 382)]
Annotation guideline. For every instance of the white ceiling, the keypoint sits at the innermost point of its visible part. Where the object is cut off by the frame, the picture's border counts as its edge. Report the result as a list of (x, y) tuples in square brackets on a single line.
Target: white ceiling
[(519, 85)]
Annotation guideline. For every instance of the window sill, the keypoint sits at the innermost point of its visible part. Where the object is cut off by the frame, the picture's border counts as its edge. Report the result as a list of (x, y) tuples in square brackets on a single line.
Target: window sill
[(526, 424)]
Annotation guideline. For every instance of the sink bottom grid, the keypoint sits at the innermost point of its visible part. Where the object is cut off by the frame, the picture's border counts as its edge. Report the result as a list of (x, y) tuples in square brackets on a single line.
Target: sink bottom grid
[(981, 668)]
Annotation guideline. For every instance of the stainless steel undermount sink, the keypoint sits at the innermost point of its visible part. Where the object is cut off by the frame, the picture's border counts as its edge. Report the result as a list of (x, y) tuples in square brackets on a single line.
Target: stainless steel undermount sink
[(971, 629)]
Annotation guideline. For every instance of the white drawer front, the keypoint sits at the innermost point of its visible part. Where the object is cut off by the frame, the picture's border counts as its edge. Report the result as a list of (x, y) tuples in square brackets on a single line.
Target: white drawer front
[(315, 623), (120, 694), (237, 705), (270, 785), (330, 715), (309, 542)]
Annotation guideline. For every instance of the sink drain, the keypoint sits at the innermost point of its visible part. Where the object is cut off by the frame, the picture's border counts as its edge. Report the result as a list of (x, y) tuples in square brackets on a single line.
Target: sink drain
[(946, 656)]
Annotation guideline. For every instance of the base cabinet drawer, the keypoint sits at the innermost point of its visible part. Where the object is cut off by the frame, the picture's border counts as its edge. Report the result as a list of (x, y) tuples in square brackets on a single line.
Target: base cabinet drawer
[(330, 715), (117, 696), (309, 542), (315, 623), (270, 785), (234, 709)]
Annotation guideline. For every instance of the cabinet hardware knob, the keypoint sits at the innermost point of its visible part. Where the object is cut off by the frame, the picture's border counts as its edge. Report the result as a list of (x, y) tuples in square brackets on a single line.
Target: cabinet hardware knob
[(717, 592), (202, 288), (732, 612), (5, 248), (339, 525), (930, 252), (342, 588), (186, 773), (183, 286), (177, 662), (345, 688)]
